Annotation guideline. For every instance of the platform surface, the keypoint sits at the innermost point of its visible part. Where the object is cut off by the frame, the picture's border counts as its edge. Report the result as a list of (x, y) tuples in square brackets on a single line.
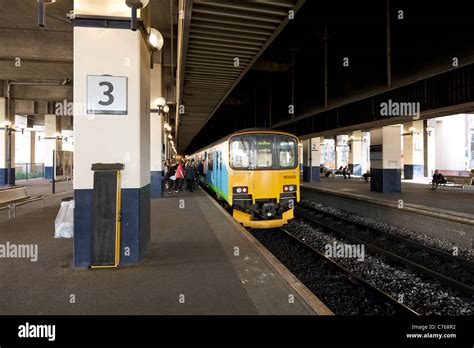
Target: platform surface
[(450, 200), (192, 258)]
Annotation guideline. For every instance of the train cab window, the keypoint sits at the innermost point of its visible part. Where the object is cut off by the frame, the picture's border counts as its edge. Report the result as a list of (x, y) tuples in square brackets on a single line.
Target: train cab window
[(240, 153), (287, 152), (264, 151)]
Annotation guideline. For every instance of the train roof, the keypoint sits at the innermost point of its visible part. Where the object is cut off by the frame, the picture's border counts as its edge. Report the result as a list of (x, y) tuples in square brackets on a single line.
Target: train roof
[(245, 131)]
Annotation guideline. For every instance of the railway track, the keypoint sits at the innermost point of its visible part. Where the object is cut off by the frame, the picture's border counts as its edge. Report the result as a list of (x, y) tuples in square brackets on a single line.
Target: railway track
[(453, 271), (344, 292)]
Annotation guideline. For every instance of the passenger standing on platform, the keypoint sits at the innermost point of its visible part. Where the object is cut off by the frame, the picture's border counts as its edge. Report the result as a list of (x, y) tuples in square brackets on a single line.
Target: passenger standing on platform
[(200, 170), (168, 181), (179, 177), (189, 175), (438, 178)]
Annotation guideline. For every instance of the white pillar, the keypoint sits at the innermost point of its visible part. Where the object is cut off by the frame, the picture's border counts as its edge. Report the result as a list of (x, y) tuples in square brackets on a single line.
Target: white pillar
[(430, 147), (385, 152), (413, 155), (3, 143), (355, 153), (451, 145), (156, 154), (50, 144), (156, 134), (116, 131), (315, 159)]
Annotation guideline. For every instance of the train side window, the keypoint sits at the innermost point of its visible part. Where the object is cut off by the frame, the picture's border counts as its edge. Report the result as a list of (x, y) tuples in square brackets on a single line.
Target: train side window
[(264, 151), (210, 164), (240, 153), (287, 152)]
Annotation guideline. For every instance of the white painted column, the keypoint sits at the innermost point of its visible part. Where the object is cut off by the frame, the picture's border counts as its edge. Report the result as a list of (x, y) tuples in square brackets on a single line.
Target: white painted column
[(120, 134), (305, 163), (430, 147), (315, 160), (156, 134), (3, 143), (385, 152), (451, 144), (156, 154), (355, 153), (50, 144), (413, 155)]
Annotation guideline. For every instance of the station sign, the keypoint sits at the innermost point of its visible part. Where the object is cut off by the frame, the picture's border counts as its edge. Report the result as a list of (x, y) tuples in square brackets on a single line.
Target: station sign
[(107, 95)]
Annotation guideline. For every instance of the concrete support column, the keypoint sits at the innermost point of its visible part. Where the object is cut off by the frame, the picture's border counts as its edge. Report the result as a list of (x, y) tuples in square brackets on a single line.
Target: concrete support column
[(450, 133), (385, 152), (32, 147), (50, 145), (119, 132), (429, 147), (305, 165), (311, 159), (355, 153), (156, 133), (156, 154), (413, 155), (301, 157), (3, 144)]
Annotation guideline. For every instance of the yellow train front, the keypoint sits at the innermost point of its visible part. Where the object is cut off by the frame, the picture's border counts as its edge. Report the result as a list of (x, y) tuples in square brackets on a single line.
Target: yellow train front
[(257, 173)]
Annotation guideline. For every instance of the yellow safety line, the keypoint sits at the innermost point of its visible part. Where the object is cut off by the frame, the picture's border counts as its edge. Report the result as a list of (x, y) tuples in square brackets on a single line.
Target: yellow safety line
[(118, 222)]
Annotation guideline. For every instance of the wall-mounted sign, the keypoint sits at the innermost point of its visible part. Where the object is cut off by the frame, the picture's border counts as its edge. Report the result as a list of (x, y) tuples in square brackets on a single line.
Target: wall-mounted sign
[(376, 152), (107, 95)]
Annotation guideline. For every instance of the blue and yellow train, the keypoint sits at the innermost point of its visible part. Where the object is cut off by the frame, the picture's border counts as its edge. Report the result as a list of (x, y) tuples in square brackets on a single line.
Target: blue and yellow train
[(256, 172)]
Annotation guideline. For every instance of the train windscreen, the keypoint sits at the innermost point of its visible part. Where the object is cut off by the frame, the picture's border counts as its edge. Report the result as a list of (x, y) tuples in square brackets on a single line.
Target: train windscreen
[(263, 151)]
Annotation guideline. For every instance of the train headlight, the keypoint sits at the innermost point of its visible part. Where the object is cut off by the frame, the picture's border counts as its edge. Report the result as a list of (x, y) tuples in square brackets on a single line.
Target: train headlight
[(289, 188), (240, 189)]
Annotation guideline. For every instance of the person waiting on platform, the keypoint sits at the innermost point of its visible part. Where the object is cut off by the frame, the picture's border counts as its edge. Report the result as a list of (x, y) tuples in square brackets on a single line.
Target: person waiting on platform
[(169, 176), (200, 170), (189, 175), (438, 178), (366, 176), (346, 172), (179, 177)]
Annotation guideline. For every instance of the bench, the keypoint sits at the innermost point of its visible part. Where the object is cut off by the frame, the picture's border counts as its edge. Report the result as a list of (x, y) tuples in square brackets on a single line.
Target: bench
[(455, 178), (12, 197)]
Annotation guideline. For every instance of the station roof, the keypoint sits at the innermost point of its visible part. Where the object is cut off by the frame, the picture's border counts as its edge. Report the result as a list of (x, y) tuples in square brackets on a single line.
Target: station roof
[(222, 40)]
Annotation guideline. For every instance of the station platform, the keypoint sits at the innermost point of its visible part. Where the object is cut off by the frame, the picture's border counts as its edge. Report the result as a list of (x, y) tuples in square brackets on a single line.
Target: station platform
[(192, 268), (446, 213)]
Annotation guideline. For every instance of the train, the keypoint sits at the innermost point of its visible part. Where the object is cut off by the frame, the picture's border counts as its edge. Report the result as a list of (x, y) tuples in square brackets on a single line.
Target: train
[(256, 174)]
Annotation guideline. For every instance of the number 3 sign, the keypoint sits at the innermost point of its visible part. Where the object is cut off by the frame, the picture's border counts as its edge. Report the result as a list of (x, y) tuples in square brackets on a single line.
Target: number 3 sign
[(107, 95)]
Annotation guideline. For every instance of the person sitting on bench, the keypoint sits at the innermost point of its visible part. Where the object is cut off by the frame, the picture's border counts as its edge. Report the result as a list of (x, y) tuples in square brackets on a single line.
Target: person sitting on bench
[(346, 172), (438, 178), (366, 176)]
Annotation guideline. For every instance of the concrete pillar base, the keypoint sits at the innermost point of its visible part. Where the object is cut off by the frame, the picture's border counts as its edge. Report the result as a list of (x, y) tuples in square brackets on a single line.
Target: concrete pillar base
[(48, 173), (311, 174), (157, 184), (3, 176), (385, 180), (135, 217)]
